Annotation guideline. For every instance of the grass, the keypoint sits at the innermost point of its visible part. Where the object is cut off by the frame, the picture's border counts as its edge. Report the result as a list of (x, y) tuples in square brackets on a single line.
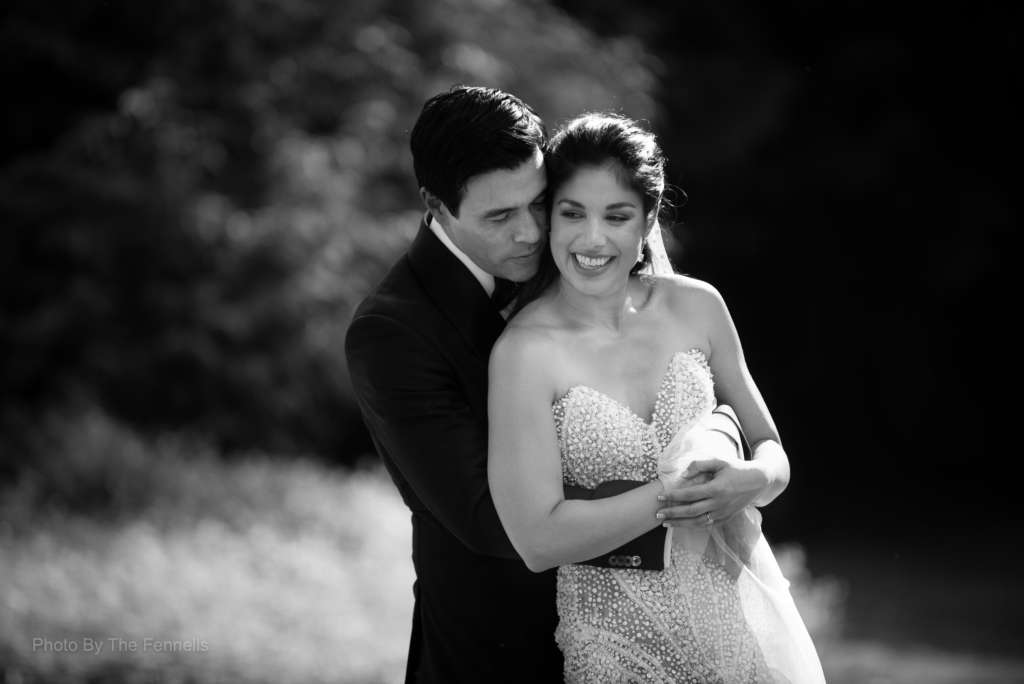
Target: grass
[(287, 570), (278, 570)]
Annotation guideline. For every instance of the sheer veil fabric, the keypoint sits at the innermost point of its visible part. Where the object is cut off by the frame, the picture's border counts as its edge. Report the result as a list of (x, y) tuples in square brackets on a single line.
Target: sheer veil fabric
[(742, 550), (660, 265)]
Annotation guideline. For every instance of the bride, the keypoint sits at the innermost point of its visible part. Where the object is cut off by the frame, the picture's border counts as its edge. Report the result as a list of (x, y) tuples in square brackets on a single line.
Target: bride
[(604, 373)]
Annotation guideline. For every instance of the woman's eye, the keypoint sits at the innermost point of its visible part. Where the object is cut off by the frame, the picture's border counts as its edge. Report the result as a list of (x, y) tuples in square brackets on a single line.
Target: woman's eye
[(571, 214)]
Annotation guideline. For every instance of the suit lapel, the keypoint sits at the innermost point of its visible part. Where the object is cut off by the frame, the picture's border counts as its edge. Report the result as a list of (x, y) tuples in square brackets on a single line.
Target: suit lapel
[(455, 291)]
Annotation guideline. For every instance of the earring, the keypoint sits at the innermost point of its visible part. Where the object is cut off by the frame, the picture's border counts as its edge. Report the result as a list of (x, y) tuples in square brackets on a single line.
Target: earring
[(640, 256)]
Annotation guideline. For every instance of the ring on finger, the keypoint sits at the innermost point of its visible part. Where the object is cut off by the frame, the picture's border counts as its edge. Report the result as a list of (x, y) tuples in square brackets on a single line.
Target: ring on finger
[(711, 521)]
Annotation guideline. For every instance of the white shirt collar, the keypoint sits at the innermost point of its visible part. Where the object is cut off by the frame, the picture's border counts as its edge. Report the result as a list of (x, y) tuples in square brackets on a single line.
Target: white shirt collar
[(485, 278)]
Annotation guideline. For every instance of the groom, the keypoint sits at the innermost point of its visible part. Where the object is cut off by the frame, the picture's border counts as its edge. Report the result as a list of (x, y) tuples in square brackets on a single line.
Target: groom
[(417, 351)]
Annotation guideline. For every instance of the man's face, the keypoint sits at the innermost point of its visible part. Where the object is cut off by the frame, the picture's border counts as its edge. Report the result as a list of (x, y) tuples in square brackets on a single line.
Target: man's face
[(501, 224)]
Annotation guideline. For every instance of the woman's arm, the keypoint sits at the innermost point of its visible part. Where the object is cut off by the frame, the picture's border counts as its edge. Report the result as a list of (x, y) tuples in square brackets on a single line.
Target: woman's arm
[(734, 386), (525, 471), (735, 484)]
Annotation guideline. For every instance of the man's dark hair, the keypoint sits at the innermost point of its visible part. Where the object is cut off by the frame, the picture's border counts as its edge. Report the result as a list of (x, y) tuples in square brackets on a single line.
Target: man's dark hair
[(466, 132)]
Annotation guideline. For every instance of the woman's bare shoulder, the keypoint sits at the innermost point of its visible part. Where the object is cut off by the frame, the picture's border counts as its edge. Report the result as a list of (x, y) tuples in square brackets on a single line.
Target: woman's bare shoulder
[(530, 339), (681, 291)]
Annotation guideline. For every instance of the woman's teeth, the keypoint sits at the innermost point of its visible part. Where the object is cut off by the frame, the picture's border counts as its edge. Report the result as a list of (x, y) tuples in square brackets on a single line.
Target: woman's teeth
[(591, 262)]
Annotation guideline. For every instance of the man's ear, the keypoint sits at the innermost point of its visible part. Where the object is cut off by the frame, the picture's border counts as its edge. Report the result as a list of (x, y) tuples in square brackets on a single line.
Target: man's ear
[(435, 206)]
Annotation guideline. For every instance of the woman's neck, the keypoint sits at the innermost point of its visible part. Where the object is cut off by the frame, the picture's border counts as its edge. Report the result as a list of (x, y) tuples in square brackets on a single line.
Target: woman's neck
[(609, 310)]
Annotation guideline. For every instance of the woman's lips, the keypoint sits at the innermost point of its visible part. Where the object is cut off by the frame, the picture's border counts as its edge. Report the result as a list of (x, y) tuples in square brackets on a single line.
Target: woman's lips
[(591, 263)]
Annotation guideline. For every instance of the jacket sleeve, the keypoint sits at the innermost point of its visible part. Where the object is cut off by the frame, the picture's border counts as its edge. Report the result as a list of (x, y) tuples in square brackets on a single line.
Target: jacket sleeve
[(423, 419)]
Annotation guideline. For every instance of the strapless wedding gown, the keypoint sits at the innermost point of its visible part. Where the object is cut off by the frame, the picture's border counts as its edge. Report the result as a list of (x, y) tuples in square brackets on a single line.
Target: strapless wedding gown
[(702, 619)]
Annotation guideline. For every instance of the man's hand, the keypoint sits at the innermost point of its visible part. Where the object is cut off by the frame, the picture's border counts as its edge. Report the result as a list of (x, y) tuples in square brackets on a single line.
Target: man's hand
[(734, 485)]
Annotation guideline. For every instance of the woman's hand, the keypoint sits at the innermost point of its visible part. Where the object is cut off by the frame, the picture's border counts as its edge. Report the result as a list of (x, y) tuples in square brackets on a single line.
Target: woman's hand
[(733, 486), (688, 446)]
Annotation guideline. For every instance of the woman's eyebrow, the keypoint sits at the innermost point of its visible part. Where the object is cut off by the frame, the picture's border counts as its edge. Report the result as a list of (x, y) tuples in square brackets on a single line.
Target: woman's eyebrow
[(617, 205), (570, 202)]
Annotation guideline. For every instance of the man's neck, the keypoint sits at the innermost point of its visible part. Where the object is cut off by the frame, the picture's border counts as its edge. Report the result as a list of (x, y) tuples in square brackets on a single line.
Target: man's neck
[(485, 279)]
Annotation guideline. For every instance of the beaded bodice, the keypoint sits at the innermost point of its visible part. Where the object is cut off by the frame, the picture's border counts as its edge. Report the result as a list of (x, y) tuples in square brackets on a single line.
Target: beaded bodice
[(601, 439), (683, 624)]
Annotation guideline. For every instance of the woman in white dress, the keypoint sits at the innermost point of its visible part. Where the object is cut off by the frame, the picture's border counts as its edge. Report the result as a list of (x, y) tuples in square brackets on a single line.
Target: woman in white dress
[(603, 374)]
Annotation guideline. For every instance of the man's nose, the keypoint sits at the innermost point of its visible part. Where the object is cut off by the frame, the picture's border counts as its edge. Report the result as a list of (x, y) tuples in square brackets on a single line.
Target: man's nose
[(529, 230)]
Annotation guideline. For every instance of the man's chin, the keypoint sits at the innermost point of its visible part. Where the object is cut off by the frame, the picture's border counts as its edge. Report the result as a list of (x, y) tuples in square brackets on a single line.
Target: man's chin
[(521, 270)]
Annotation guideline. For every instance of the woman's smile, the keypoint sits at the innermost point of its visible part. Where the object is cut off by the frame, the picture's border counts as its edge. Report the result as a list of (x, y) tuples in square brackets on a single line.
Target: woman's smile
[(591, 263)]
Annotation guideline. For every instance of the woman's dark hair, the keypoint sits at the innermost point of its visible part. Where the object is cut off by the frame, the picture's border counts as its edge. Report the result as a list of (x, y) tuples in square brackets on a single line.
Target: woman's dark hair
[(601, 141), (469, 131)]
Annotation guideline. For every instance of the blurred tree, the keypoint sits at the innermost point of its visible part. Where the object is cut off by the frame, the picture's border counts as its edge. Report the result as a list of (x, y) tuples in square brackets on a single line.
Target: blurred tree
[(194, 195)]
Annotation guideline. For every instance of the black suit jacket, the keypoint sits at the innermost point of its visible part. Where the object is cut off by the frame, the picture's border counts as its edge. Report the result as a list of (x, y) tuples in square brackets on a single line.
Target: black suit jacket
[(417, 351)]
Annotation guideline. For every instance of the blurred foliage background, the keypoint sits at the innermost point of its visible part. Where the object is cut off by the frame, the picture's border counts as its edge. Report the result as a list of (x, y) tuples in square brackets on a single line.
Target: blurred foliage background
[(195, 195)]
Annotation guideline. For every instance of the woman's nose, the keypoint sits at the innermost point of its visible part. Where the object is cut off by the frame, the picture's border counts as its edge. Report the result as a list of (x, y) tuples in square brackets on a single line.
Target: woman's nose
[(593, 235)]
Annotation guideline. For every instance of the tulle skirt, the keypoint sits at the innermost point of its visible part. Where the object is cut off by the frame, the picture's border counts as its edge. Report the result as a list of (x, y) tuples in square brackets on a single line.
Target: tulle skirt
[(763, 593)]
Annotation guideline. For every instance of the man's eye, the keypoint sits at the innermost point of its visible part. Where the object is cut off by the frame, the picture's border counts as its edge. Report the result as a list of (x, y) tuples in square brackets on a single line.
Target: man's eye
[(501, 217)]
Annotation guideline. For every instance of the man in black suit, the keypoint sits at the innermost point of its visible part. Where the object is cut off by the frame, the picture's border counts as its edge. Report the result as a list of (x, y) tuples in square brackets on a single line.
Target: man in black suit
[(417, 350)]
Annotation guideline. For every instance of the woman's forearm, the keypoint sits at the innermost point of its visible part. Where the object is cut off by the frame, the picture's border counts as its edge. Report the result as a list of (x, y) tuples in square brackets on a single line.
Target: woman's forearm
[(576, 531), (770, 458)]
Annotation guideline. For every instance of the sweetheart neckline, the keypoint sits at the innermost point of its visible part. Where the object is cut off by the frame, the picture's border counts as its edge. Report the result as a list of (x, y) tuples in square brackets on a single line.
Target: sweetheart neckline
[(628, 409)]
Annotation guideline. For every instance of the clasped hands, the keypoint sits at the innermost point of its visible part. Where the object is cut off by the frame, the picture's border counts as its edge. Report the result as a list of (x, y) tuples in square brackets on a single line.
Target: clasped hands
[(703, 477)]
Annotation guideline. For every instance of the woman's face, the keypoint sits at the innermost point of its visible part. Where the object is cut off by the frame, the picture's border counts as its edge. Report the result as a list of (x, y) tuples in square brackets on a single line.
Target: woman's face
[(597, 231)]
